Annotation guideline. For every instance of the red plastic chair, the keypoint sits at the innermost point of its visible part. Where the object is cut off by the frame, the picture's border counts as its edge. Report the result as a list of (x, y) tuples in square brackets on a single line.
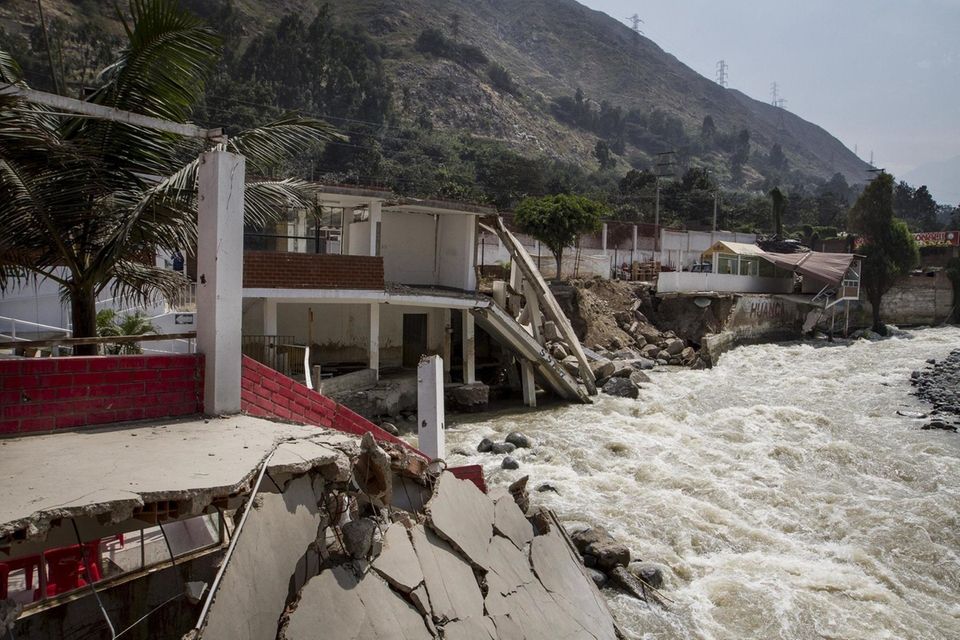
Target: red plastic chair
[(66, 569), (28, 564)]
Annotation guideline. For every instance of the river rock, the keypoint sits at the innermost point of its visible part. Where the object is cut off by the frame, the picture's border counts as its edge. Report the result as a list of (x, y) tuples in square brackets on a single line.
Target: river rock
[(675, 347), (638, 378), (501, 448), (509, 463), (518, 440), (572, 365), (650, 351), (603, 368), (485, 445), (650, 333), (597, 542), (687, 355), (599, 578), (649, 572), (546, 486), (471, 397), (621, 388), (625, 354)]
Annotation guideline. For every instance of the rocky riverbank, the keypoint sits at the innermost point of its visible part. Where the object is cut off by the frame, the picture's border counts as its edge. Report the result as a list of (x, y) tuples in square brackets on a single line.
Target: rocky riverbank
[(939, 384)]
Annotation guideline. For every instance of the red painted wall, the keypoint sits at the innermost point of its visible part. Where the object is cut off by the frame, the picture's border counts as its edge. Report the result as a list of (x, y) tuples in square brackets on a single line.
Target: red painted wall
[(269, 394), (43, 394)]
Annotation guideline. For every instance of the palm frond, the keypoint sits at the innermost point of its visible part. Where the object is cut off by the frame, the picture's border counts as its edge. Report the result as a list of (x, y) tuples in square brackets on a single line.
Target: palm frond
[(136, 282), (282, 140), (10, 71), (268, 201)]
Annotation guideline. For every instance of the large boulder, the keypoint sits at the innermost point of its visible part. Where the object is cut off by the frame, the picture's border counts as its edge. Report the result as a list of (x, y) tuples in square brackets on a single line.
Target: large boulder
[(518, 440), (603, 368), (572, 365), (550, 331), (638, 378), (650, 351), (687, 355), (626, 354), (649, 572), (621, 388), (501, 448), (675, 347), (599, 544), (471, 397)]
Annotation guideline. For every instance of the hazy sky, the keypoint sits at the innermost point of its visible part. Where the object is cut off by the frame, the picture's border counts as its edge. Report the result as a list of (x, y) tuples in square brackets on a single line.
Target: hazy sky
[(883, 75)]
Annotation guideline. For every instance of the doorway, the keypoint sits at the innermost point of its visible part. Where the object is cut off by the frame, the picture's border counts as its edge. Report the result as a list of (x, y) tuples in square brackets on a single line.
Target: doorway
[(414, 339)]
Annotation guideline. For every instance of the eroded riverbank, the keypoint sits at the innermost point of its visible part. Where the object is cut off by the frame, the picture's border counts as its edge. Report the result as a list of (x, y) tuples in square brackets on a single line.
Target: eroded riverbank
[(781, 490)]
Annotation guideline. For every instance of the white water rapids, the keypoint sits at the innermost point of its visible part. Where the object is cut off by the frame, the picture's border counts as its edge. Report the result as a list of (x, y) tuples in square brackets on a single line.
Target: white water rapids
[(781, 490)]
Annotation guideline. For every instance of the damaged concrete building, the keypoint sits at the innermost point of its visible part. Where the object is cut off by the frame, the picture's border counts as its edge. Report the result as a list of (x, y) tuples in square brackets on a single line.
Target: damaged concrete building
[(277, 531)]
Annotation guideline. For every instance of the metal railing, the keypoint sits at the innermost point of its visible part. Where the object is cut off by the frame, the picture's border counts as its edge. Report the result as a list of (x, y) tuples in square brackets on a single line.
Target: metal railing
[(280, 353), (36, 326), (185, 299)]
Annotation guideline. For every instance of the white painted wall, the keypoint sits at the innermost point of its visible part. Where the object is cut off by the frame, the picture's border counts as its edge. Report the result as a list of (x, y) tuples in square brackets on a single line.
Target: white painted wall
[(408, 245), (359, 239), (456, 248), (689, 282)]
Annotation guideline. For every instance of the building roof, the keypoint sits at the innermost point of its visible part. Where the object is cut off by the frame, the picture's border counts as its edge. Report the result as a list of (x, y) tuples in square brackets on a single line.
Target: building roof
[(116, 469), (825, 267), (736, 248)]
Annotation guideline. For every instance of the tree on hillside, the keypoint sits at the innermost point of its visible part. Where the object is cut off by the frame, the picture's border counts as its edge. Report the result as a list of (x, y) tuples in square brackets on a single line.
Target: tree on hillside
[(557, 221), (779, 202), (601, 152), (86, 203), (889, 248)]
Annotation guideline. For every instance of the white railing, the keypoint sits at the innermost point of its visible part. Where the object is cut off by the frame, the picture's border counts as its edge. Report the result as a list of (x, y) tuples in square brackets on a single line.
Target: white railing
[(37, 326), (691, 282)]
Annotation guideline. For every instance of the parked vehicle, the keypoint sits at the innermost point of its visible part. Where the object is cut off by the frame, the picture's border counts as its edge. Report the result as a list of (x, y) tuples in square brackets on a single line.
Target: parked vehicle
[(702, 267)]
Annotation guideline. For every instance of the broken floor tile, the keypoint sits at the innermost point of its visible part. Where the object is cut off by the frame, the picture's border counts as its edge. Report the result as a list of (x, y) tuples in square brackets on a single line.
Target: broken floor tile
[(470, 629), (509, 521), (462, 515), (398, 562), (337, 606), (256, 582), (451, 584)]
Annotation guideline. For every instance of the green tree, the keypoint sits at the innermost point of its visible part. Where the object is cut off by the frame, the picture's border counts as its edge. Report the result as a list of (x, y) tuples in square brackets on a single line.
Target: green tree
[(890, 250), (779, 202), (601, 151), (80, 200), (557, 221)]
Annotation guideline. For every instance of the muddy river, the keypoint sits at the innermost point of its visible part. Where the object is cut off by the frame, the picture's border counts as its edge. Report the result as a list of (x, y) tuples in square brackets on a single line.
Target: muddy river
[(780, 490)]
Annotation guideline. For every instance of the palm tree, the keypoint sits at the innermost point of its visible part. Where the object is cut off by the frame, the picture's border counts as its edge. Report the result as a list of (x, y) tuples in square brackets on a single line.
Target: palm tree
[(87, 202), (131, 324)]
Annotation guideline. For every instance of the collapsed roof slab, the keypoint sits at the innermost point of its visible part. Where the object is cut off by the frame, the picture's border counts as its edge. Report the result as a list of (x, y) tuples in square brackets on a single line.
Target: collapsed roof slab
[(108, 473)]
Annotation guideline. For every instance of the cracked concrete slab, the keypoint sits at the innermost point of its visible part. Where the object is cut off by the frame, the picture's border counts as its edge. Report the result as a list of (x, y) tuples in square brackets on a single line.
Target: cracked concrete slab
[(299, 456), (509, 563), (338, 606), (463, 515), (111, 471), (449, 579), (563, 576), (470, 629), (256, 583), (509, 521), (398, 563)]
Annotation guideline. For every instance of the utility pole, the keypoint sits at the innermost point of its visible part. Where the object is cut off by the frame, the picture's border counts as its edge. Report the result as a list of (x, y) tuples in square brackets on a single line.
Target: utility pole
[(716, 196), (664, 165), (722, 73), (774, 93)]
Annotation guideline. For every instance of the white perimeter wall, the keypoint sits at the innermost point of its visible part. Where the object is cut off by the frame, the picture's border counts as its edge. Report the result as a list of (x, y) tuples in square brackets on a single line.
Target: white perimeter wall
[(689, 282), (680, 249)]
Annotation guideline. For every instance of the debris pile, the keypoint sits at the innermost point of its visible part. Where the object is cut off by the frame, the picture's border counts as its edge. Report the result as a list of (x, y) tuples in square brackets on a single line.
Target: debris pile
[(609, 564), (393, 550)]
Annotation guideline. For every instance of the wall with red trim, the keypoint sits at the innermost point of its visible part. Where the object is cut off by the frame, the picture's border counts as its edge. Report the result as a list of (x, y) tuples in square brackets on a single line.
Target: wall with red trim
[(44, 394), (266, 393)]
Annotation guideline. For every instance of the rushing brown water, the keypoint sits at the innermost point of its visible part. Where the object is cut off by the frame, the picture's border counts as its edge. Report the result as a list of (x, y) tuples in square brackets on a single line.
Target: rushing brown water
[(782, 492)]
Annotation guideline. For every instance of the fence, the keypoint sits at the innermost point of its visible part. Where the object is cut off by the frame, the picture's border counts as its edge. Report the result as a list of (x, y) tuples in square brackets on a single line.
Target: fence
[(280, 353)]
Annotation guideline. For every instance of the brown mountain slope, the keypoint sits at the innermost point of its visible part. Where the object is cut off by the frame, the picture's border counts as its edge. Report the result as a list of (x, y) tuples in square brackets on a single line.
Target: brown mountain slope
[(551, 48)]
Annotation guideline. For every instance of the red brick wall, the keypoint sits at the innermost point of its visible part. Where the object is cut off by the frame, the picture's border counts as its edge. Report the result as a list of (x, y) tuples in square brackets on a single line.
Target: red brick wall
[(269, 394), (42, 394), (267, 269)]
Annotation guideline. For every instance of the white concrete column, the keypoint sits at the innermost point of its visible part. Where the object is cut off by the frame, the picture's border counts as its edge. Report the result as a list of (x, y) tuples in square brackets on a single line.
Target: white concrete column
[(373, 344), (430, 418), (269, 317), (447, 347), (500, 294), (604, 237), (469, 348), (528, 383), (635, 238), (220, 277), (375, 217)]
